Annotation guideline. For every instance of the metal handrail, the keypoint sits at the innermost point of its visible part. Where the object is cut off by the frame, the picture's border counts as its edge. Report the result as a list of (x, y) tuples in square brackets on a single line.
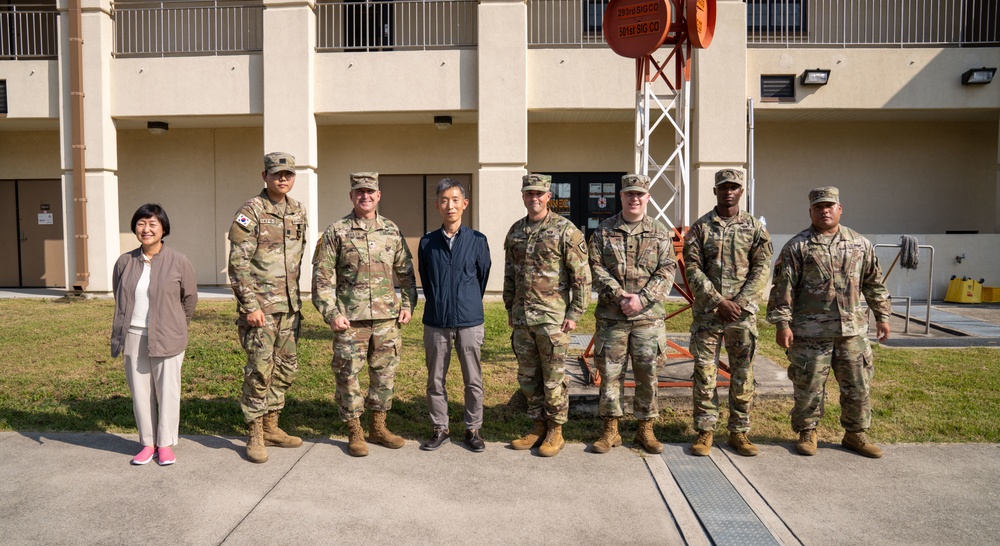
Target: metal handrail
[(566, 23), (209, 27), (396, 25), (930, 282), (29, 31)]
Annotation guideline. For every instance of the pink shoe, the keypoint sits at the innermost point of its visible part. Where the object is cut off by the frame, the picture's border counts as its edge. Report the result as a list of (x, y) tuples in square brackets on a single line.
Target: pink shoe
[(165, 455), (144, 456)]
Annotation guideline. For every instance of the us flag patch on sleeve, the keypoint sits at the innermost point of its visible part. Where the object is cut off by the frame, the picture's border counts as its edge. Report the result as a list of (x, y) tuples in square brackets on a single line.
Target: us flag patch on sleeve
[(243, 220)]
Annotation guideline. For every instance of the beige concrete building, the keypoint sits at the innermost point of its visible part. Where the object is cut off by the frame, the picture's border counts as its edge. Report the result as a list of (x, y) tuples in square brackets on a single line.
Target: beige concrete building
[(485, 91)]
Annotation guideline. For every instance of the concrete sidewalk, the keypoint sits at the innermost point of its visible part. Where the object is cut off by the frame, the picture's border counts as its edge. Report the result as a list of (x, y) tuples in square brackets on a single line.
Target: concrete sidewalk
[(72, 488)]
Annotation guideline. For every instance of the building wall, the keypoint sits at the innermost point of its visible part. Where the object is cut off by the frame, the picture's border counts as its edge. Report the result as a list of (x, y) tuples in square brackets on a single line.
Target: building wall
[(894, 177)]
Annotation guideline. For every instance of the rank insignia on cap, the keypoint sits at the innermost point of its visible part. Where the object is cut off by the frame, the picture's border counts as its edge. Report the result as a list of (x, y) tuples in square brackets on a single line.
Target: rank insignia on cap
[(243, 220)]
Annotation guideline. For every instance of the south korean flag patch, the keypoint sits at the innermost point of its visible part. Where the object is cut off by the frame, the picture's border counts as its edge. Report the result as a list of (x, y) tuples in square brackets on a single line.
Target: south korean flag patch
[(243, 220)]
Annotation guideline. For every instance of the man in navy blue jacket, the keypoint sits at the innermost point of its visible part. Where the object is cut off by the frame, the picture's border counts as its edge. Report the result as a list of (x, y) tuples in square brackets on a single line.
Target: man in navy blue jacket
[(454, 267)]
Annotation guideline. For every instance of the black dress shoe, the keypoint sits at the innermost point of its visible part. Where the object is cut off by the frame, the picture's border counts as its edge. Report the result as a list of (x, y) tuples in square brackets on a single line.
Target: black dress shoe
[(438, 439), (473, 440)]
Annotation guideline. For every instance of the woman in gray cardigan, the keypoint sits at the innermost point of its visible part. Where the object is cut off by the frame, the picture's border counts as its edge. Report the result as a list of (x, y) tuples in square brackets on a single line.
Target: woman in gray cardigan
[(155, 296)]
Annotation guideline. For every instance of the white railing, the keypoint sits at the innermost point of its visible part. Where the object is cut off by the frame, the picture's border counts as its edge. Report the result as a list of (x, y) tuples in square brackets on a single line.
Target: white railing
[(29, 32), (396, 25), (566, 23), (900, 23), (210, 27)]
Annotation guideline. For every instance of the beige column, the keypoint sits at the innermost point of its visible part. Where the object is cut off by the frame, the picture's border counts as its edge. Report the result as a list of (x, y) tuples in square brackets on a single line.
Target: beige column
[(996, 215), (289, 98), (719, 99), (503, 123), (101, 141)]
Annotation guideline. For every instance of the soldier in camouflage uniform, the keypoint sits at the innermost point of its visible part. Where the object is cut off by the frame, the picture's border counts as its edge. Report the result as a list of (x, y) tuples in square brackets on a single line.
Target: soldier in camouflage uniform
[(352, 287), (545, 264), (265, 253), (815, 302), (726, 256), (633, 263)]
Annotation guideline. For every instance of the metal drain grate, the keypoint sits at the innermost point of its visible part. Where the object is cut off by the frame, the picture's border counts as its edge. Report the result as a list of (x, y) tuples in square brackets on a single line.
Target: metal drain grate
[(723, 513)]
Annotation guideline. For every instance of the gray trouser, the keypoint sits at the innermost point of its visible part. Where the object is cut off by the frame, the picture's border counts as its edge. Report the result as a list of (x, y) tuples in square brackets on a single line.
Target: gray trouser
[(437, 344)]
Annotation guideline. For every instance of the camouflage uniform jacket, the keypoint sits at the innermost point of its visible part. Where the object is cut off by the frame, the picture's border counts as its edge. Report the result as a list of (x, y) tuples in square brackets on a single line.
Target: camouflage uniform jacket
[(540, 268), (265, 255), (641, 262), (726, 260), (818, 283), (353, 271)]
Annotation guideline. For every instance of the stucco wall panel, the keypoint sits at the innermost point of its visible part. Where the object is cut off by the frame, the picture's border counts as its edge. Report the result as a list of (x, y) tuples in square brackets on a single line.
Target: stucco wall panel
[(893, 177), (877, 78), (580, 78), (223, 85), (29, 154), (396, 81), (32, 88)]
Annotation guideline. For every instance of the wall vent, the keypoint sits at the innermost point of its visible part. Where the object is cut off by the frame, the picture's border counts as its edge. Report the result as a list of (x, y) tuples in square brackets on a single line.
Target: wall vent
[(777, 88)]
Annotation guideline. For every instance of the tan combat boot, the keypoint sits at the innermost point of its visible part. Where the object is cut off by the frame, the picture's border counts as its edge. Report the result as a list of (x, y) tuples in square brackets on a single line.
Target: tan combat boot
[(356, 445), (533, 438), (256, 453), (702, 445), (610, 438), (807, 442), (742, 445), (857, 441), (554, 442), (274, 436), (645, 437), (381, 435)]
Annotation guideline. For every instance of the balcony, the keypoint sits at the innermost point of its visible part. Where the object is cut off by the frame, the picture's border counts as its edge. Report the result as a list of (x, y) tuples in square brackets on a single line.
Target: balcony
[(873, 23), (29, 31), (566, 23), (210, 27), (396, 25)]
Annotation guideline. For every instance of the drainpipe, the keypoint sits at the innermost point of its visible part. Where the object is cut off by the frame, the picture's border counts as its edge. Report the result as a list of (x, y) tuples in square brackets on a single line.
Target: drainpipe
[(76, 129)]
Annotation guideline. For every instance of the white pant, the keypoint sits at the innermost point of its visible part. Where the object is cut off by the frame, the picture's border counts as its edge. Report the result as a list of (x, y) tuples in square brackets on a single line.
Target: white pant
[(156, 391)]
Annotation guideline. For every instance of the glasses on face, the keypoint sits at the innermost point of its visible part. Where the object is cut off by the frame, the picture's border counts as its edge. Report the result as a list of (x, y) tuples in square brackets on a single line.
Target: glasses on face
[(286, 175)]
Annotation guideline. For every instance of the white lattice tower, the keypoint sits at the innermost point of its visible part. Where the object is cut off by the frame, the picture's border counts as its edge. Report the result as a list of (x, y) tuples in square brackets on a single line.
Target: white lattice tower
[(667, 113)]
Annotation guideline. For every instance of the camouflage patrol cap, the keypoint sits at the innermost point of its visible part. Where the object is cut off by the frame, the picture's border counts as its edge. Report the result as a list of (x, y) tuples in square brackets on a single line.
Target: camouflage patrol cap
[(364, 180), (276, 162), (536, 182), (635, 182), (729, 176), (826, 194)]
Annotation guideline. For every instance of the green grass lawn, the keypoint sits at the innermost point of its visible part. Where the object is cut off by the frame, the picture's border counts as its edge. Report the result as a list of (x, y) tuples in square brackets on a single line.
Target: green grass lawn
[(56, 375)]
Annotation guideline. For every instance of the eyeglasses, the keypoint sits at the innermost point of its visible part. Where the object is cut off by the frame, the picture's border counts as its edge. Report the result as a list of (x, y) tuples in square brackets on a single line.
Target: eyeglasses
[(287, 175)]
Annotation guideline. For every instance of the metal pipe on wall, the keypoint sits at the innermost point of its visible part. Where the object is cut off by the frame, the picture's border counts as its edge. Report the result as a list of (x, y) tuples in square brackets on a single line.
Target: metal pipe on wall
[(79, 146)]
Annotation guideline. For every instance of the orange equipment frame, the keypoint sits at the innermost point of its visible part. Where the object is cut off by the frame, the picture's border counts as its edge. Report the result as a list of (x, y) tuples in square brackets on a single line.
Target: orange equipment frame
[(586, 359)]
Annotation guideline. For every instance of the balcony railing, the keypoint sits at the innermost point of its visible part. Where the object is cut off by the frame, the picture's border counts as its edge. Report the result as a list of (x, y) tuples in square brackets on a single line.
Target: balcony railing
[(396, 25), (872, 23), (566, 23), (162, 29), (29, 32)]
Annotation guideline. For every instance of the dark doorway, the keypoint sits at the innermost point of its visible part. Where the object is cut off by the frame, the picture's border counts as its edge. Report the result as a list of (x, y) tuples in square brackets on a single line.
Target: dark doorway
[(586, 198)]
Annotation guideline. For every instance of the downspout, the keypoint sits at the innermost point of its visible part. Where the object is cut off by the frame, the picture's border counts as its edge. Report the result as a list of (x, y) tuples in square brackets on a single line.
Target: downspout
[(79, 147), (751, 181)]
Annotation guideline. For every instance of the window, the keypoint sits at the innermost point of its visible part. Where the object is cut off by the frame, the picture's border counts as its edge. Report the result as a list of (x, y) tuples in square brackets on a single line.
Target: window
[(3, 97), (594, 14), (777, 88), (775, 16)]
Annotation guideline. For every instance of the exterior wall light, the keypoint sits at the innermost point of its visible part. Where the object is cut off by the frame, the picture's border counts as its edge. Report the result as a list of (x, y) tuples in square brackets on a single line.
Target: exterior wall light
[(157, 127), (816, 77), (442, 122), (978, 76)]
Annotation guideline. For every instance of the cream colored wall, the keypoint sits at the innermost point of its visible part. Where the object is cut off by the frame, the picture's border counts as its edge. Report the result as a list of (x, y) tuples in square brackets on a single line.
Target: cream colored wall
[(594, 79), (175, 86), (894, 177), (29, 154), (386, 149), (580, 147), (877, 77), (201, 177), (396, 81), (32, 89)]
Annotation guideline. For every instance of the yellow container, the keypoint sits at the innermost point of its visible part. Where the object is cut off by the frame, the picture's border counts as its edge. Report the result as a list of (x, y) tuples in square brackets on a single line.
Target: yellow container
[(991, 294), (964, 291)]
